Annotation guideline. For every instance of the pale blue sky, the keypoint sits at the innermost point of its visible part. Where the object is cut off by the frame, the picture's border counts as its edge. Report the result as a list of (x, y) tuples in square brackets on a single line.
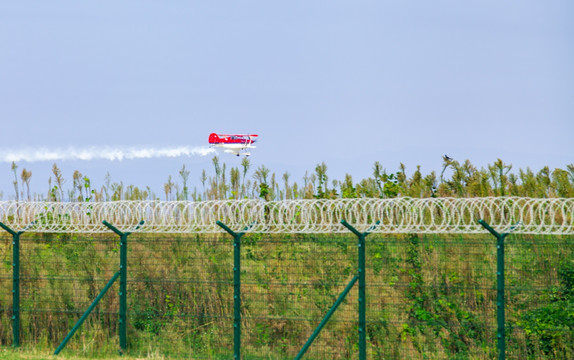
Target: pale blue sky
[(345, 82)]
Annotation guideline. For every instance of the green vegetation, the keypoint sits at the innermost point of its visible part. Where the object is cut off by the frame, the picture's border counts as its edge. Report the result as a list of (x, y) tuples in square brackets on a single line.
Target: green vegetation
[(455, 180), (546, 325), (30, 353), (429, 297)]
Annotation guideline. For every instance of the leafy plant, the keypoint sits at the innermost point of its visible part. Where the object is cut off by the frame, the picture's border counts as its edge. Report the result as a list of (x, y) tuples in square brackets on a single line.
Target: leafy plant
[(550, 327)]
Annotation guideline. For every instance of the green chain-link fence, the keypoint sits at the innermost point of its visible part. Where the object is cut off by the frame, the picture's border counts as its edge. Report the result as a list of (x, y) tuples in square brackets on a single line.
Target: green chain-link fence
[(428, 297)]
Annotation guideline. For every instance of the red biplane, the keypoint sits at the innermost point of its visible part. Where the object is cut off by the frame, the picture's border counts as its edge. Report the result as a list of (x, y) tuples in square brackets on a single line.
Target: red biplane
[(236, 144)]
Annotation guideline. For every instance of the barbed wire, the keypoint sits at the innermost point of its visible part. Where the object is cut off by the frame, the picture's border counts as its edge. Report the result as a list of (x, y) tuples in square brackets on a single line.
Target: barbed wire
[(398, 215)]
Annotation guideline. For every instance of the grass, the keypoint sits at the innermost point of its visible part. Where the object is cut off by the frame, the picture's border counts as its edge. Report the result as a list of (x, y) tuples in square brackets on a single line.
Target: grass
[(9, 353)]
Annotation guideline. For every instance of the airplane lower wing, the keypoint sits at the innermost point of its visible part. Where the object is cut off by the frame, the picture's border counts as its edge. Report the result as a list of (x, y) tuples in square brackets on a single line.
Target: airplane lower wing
[(236, 152)]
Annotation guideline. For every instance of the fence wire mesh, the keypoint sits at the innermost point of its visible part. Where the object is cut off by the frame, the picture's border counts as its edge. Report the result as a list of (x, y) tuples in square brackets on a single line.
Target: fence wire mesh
[(5, 289), (428, 297)]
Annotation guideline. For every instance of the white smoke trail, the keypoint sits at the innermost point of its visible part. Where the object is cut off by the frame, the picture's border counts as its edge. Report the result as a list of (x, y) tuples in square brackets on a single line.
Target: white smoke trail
[(101, 153)]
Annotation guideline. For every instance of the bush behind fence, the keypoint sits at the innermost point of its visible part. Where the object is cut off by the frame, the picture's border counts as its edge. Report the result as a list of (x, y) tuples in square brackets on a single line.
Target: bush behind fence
[(428, 297)]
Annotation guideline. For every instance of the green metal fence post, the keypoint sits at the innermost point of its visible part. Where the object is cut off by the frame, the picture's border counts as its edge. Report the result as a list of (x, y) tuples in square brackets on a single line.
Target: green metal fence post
[(500, 290), (236, 287), (15, 282), (123, 281), (362, 288)]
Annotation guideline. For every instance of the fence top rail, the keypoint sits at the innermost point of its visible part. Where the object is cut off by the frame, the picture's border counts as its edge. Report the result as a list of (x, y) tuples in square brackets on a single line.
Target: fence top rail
[(399, 215)]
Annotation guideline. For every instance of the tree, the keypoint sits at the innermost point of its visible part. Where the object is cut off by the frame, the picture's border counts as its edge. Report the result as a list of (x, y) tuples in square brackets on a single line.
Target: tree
[(560, 184), (274, 187), (308, 190), (321, 176), (528, 181), (392, 187), (167, 188), (445, 164), (286, 184), (347, 189), (88, 187), (106, 186), (246, 164), (570, 168), (15, 182), (261, 176), (26, 176), (222, 190), (543, 179), (402, 176), (77, 184), (203, 179), (367, 188), (117, 191), (234, 178), (415, 184), (184, 176), (58, 190), (378, 172), (217, 169), (430, 185), (498, 173)]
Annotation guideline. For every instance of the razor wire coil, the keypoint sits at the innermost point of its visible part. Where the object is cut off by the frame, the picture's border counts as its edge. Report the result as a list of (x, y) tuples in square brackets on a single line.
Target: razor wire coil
[(398, 215)]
